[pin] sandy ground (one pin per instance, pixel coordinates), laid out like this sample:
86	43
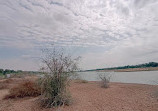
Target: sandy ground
133	69
91	97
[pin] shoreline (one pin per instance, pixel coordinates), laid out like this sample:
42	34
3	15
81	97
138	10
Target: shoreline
131	69
126	83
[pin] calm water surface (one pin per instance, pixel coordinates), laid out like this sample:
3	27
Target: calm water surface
142	77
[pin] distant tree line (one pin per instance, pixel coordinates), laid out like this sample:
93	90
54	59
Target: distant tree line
8	71
150	64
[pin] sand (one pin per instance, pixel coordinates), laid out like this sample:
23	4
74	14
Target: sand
91	97
133	69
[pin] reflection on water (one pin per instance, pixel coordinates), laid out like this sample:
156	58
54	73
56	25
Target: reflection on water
142	77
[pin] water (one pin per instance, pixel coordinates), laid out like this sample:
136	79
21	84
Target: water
142	77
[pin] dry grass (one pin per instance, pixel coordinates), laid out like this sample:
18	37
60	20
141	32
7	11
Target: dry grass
3	86
84	81
8	81
1	77
24	89
19	75
81	81
5	83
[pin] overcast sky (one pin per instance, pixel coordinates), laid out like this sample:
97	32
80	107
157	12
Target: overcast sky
105	33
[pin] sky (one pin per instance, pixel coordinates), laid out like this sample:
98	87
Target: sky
105	33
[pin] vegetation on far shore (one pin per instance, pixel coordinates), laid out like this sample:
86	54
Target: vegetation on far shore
142	67
145	65
3	72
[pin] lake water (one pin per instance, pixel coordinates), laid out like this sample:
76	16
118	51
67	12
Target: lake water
142	77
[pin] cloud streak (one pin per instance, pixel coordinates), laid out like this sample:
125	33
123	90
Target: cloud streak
121	24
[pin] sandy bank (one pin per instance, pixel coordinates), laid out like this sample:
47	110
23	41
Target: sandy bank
133	69
91	97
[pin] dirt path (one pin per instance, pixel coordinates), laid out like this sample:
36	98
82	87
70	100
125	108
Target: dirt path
91	97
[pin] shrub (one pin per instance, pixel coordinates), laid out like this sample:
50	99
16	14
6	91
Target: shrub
104	80
24	89
54	92
58	69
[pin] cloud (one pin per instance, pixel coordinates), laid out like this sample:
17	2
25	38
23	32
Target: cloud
16	64
122	24
128	52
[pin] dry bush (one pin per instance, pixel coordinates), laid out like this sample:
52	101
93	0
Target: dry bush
11	81
84	81
79	80
3	85
104	80
8	81
59	67
21	75
54	91
1	77
24	89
